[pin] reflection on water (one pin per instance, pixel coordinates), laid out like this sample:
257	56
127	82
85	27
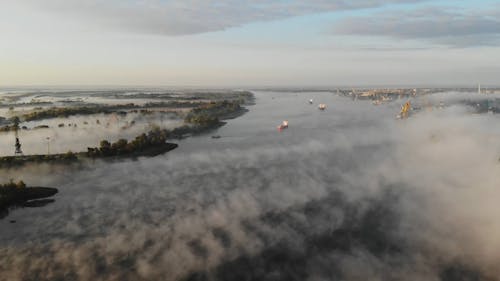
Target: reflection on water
29	204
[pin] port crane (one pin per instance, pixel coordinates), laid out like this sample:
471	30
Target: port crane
405	110
17	145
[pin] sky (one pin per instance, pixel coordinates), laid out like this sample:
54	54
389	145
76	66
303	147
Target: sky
240	43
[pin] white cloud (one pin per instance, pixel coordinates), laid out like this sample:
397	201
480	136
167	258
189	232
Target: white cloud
193	16
438	25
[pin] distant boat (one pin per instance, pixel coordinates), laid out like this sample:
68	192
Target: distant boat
216	137
311	101
322	106
283	125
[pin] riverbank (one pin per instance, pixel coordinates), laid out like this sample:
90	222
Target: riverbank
18	194
205	117
70	158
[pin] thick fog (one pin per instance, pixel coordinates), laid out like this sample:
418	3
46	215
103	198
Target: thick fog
350	193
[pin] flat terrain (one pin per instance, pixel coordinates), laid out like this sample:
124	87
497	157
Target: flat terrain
348	193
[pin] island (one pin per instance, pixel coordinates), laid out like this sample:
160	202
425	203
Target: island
196	113
147	144
18	194
203	118
151	144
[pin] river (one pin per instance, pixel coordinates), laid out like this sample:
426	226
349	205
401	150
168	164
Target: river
334	196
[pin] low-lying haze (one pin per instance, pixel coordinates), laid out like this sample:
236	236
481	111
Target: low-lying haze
349	193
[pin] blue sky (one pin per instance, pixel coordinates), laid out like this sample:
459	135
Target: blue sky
236	43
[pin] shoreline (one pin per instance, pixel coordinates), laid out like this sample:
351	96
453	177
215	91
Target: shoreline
188	130
13	196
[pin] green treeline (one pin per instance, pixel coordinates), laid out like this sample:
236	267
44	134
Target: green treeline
10	161
200	119
154	138
12	193
210	113
202	112
15	126
55	112
10	185
9	192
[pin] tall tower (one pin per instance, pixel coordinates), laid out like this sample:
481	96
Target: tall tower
479	88
17	145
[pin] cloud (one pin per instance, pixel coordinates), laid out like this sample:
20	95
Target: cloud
194	16
438	25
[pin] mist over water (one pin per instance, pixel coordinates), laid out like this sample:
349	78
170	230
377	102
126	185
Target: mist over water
76	133
348	193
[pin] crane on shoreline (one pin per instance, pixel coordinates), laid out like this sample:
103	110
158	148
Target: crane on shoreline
17	145
405	110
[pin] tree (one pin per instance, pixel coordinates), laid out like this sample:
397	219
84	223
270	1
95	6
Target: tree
16	122
20	184
105	147
120	146
69	155
105	144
